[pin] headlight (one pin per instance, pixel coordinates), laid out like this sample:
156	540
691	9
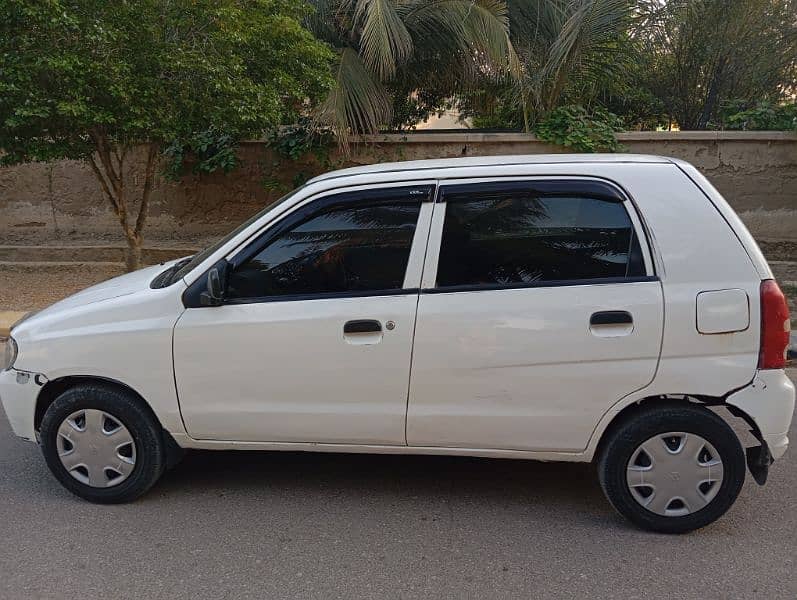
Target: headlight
9	353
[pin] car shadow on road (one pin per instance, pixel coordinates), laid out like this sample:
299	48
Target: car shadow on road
566	488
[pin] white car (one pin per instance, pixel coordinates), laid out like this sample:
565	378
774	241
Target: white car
606	308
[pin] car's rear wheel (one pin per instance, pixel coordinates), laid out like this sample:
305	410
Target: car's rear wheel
102	443
672	469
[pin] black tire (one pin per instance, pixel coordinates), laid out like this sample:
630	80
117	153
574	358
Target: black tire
129	410
687	418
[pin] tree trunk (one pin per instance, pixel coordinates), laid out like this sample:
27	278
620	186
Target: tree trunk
526	125
711	96
112	180
133	253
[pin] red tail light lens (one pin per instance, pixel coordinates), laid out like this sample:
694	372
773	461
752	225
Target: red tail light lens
775	326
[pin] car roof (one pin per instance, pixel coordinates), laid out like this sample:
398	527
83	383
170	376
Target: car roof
486	161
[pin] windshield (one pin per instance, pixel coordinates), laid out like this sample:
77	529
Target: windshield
184	267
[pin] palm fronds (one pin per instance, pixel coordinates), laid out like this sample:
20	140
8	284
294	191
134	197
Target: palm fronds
455	41
358	102
385	42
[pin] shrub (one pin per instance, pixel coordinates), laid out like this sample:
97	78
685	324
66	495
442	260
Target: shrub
581	129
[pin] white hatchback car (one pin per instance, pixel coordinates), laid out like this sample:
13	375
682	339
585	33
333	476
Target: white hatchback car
565	308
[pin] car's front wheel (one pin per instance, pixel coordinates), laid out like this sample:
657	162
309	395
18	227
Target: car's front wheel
672	469
102	443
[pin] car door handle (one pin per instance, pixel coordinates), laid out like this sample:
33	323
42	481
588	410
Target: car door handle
611	317
362	326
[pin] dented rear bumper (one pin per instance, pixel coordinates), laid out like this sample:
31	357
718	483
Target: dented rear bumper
769	402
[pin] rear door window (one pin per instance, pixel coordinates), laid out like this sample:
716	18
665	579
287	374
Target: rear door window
520	234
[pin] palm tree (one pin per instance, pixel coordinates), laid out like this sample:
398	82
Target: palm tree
570	52
574	46
439	43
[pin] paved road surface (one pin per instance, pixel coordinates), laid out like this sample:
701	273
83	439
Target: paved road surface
259	525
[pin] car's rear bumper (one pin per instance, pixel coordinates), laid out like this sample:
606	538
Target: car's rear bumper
18	392
769	401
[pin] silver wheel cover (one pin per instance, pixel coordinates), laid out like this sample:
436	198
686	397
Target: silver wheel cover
96	448
674	474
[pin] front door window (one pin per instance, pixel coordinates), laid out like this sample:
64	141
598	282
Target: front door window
352	243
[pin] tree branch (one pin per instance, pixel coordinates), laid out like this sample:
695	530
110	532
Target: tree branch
149	176
117	198
104	152
120	159
104	184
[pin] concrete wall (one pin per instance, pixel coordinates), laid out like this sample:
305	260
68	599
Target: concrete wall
61	202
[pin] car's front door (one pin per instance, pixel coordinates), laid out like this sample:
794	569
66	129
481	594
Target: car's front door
313	340
540	311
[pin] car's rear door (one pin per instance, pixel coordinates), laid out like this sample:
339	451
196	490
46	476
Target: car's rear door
539	309
313	341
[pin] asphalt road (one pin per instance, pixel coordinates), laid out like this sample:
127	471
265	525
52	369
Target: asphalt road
263	525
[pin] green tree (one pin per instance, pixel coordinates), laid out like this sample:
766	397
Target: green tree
701	54
763	116
114	83
390	47
571	52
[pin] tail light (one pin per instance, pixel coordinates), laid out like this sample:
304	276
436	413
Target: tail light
775	326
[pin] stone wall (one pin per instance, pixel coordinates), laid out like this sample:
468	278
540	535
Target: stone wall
62	203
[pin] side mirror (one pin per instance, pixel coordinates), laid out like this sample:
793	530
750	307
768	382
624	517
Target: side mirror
214	295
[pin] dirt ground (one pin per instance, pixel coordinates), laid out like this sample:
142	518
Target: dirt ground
27	288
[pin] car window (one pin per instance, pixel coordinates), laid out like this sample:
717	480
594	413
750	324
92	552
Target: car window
183	268
526	236
347	243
